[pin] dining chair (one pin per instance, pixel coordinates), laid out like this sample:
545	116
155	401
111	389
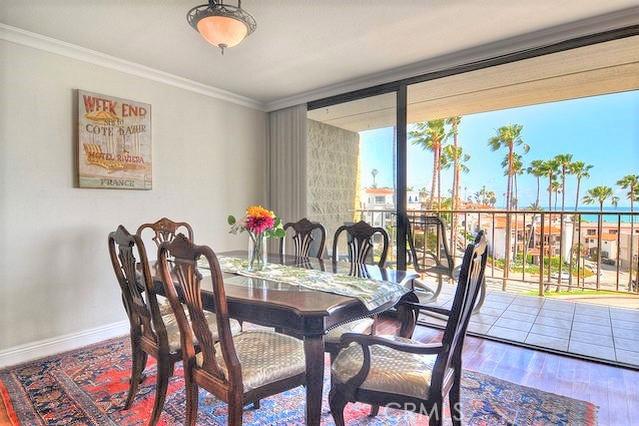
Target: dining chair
305	242
237	369
360	237
151	332
163	230
360	247
405	374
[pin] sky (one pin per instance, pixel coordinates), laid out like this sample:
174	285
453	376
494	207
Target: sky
599	130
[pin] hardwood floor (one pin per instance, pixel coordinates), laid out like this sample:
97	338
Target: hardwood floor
614	390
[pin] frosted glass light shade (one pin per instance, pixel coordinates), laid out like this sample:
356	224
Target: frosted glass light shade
222	31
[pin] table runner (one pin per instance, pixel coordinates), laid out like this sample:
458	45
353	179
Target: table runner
372	293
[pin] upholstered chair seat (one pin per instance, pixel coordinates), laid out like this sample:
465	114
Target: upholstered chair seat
164	305
173	330
266	357
391	370
362	326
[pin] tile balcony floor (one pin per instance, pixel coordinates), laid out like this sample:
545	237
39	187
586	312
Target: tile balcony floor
600	332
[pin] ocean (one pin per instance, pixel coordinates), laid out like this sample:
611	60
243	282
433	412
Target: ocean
625	218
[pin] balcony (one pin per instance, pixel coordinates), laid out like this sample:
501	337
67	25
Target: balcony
574	293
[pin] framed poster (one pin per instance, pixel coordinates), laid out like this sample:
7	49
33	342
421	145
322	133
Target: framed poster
114	142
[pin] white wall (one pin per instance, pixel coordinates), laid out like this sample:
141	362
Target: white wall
55	274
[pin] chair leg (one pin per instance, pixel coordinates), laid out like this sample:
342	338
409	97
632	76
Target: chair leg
191	399
374	410
235	413
337	402
454	398
162	382
138	357
436	415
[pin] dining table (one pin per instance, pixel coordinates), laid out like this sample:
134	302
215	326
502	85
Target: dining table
297	309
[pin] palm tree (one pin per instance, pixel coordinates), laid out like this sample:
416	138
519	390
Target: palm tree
455	154
580	170
374	172
430	136
599	194
550	168
564	161
631	184
536	169
517	169
509	137
556	188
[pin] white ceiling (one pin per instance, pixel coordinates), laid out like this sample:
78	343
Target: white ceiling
299	45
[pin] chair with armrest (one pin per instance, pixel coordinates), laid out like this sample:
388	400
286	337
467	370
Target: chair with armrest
440	268
381	370
237	369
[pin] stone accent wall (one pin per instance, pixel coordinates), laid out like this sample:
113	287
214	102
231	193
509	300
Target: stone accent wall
333	174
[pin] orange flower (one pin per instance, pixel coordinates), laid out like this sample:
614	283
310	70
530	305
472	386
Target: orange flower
259	212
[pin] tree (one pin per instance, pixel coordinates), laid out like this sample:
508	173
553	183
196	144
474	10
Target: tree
374	172
580	170
456	155
599	195
564	162
550	168
631	184
536	169
556	188
485	197
517	169
509	137
430	136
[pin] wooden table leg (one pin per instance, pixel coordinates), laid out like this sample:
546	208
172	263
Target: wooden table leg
407	315
314	352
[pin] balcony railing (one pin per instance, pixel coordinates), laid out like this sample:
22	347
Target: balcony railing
554	250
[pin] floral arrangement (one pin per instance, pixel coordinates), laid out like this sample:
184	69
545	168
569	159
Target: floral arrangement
258	221
260	224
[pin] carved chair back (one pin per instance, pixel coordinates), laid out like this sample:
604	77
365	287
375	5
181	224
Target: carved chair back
304	238
426	222
470	280
144	314
182	281
360	244
165	230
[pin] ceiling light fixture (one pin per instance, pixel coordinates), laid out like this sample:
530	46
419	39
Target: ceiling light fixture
222	25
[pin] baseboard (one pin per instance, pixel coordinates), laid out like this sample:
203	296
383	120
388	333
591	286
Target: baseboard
43	348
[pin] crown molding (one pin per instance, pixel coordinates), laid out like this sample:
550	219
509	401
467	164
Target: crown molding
548	36
52	45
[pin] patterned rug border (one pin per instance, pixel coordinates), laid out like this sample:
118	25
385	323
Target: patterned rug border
15	415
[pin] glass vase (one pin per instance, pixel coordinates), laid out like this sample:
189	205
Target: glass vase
257	252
